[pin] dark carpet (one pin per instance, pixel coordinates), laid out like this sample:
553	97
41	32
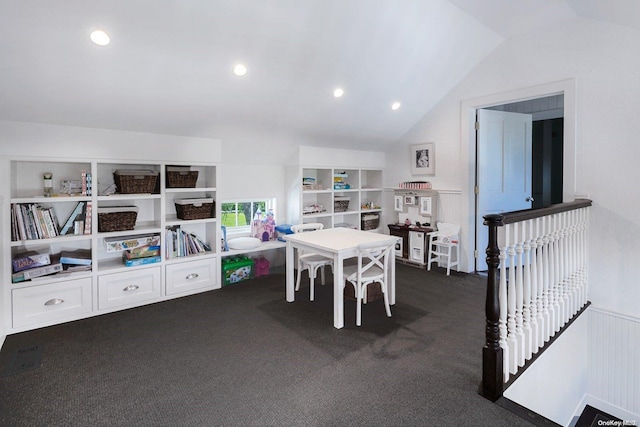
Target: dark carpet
243	356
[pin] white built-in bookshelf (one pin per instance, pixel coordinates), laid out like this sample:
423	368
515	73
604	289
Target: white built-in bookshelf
109	285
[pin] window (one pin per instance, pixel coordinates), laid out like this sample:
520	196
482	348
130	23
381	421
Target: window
237	215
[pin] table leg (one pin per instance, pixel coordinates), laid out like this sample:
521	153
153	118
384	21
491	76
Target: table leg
290	279
338	292
391	281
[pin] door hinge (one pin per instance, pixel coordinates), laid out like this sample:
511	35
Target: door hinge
476	189
475	253
477	125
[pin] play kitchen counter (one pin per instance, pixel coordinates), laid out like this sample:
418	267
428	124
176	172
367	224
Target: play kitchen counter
412	249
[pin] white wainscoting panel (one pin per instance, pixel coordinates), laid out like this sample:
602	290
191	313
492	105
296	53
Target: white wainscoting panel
614	359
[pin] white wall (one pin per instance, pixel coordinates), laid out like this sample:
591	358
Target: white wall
566	362
604	62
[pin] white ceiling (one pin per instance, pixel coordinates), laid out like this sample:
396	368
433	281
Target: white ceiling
168	67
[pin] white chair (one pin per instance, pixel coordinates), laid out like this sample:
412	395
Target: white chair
372	267
441	242
312	262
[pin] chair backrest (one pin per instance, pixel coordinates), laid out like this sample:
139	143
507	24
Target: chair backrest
448	233
447	229
312	226
373	258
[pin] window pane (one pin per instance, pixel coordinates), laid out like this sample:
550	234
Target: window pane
229	215
244	213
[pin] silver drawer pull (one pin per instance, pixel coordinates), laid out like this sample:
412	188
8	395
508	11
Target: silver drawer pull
192	276
54	301
131	288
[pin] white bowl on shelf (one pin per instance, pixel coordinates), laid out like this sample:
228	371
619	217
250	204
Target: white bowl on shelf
243	243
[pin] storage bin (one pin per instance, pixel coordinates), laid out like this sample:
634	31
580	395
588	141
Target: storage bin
117	218
340	204
181	177
282	230
135	181
370	221
236	269
195	208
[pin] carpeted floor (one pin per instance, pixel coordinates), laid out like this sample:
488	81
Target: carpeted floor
243	356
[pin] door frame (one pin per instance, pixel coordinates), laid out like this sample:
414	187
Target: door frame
468	151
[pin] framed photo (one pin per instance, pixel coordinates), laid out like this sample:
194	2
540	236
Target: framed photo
423	159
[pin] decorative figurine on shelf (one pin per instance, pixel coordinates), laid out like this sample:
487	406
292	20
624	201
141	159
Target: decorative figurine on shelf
48	184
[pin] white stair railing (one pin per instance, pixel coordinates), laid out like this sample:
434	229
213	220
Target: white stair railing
537	283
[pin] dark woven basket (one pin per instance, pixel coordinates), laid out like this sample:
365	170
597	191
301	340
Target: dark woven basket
135	184
117	221
340	205
374	292
186	179
370	224
191	211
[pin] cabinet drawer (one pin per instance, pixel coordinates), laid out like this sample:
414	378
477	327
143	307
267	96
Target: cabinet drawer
191	275
49	303
128	288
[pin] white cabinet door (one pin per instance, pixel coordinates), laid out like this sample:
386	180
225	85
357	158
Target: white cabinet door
50	303
129	288
191	275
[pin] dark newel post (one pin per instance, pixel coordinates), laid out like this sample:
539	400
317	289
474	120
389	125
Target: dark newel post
492	368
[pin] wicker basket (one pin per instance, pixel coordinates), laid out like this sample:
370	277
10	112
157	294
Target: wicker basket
195	208
370	221
340	204
179	179
135	181
117	219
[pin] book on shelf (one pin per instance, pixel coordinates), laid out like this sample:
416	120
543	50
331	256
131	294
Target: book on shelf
30	221
54	267
179	243
76	257
88	218
141	261
29	259
76	215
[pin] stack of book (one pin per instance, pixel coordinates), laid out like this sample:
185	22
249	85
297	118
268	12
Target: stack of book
180	243
31	264
78	260
339	182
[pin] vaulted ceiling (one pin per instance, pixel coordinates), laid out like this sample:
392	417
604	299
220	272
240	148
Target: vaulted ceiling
168	68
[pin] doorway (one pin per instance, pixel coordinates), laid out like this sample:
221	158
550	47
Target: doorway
544	168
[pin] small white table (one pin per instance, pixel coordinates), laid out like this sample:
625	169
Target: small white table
339	244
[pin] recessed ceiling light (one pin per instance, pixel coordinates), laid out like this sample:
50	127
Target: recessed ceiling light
239	70
338	92
100	38
395	106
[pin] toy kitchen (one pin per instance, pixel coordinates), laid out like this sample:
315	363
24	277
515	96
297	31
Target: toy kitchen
416	212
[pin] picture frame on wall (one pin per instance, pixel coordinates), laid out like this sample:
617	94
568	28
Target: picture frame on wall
423	159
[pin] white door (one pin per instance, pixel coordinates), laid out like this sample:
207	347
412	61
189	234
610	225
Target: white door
503	170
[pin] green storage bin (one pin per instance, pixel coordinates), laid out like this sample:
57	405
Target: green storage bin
236	269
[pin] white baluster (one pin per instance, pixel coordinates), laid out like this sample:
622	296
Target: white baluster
548	296
535	301
517	266
512	339
526	306
503	309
